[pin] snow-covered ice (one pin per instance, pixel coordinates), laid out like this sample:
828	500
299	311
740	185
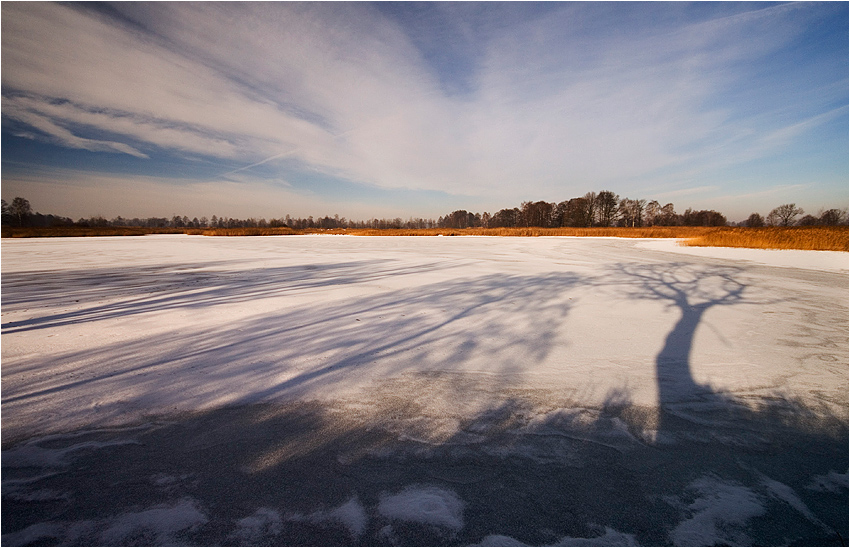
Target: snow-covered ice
160	525
609	538
830	482
425	504
464	390
351	515
718	514
264	523
828	261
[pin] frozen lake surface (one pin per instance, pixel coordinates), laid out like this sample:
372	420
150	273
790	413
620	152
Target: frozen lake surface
422	390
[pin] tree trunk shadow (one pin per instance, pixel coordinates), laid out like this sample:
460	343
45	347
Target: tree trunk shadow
761	451
692	292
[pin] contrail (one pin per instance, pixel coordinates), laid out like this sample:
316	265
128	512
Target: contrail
261	162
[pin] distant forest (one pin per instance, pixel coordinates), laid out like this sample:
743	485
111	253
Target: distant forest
594	209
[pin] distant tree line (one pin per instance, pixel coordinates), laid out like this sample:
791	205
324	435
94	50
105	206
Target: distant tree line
605	209
19	213
786	215
602	209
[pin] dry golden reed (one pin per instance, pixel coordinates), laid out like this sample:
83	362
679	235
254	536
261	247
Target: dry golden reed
276	231
809	238
79	231
812	238
650	232
821	238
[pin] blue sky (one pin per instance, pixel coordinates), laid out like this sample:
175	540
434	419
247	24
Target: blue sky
417	109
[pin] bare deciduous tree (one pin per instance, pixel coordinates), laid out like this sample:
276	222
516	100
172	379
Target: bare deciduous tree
20	210
607	207
784	215
668	215
631	212
653	210
754	220
833	217
590	204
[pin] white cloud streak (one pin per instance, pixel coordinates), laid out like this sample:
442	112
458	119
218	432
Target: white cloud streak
38	119
78	193
261	162
553	108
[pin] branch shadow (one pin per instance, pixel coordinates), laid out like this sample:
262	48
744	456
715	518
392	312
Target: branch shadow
760	451
193	287
399	470
692	292
420	446
308	351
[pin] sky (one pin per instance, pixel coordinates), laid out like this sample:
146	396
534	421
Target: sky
417	109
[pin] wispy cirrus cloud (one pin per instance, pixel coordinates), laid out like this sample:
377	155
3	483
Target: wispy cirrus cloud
71	191
499	101
51	128
46	115
112	79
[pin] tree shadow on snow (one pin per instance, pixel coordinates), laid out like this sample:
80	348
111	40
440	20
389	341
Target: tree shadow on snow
747	467
193	287
306	350
428	451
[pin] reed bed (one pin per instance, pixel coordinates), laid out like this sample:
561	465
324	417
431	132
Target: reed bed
78	231
276	231
648	232
808	238
821	238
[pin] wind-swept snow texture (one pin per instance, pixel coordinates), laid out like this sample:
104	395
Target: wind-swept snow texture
314	390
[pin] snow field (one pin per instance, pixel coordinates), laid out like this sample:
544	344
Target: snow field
219	322
465	390
165	524
429	505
